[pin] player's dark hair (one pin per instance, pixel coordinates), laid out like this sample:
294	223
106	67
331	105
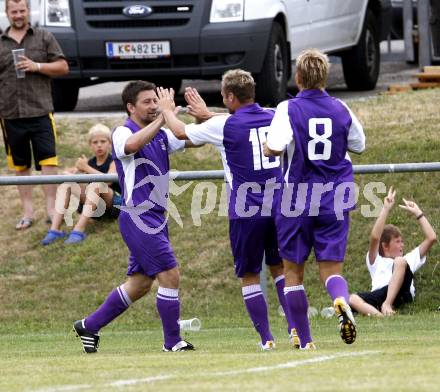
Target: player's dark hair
132	90
240	83
389	232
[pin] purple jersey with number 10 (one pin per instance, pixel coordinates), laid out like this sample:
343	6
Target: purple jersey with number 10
253	181
252	178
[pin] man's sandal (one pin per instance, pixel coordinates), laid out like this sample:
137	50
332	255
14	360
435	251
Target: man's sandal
24	223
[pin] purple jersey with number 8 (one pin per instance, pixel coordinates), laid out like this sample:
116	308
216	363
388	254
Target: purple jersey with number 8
316	131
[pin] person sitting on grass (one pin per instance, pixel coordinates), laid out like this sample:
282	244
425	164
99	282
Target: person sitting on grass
100	143
391	271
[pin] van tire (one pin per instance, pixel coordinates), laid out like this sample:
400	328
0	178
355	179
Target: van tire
361	64
271	82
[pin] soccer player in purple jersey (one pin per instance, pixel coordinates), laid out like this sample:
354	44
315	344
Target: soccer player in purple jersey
141	148
313	132
253	183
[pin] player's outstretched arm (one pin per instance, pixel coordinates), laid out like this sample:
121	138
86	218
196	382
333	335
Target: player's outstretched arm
167	108
428	231
197	106
377	230
139	139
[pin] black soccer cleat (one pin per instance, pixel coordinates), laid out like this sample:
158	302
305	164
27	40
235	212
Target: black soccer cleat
183	345
347	325
90	341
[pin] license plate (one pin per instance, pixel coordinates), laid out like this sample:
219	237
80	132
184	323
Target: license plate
138	50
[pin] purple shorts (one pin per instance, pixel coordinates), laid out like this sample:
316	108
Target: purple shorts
150	254
325	234
250	240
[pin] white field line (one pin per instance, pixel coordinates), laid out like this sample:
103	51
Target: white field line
148	380
66	388
293	364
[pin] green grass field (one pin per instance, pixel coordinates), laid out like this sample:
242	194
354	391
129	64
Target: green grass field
43	290
399	354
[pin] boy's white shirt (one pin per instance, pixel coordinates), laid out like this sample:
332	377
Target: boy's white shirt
382	269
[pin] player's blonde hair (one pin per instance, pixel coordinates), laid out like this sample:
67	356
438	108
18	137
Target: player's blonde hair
99	130
312	68
240	83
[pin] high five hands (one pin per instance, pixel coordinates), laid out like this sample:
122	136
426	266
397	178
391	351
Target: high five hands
165	99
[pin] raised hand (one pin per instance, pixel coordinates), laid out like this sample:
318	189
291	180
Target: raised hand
411	207
196	105
389	200
165	99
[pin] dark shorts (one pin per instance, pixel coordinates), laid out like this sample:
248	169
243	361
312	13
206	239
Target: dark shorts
114	211
325	234
110	212
22	134
251	239
377	297
150	254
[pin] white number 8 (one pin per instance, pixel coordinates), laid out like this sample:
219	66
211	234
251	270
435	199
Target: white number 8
324	139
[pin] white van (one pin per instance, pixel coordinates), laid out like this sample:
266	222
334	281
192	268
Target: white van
166	41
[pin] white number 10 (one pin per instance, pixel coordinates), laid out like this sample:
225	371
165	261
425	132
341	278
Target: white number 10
324	139
257	137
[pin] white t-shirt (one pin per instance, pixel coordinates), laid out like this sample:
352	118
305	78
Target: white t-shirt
382	269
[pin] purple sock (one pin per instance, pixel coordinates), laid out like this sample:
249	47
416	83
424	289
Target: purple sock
257	309
337	286
296	299
279	284
116	303
168	306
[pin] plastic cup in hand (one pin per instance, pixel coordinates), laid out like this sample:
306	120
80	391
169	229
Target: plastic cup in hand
193	324
16	54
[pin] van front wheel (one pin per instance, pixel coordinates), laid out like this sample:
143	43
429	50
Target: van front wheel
271	82
361	64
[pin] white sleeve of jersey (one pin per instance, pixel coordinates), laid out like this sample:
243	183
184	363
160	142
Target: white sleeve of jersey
120	136
174	144
356	135
414	260
280	131
210	131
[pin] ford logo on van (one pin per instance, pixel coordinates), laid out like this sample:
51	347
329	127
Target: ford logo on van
137	11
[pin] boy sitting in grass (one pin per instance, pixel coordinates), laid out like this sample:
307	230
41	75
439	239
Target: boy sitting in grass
100	143
391	271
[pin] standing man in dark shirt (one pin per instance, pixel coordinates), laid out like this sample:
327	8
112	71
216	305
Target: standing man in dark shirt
26	103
